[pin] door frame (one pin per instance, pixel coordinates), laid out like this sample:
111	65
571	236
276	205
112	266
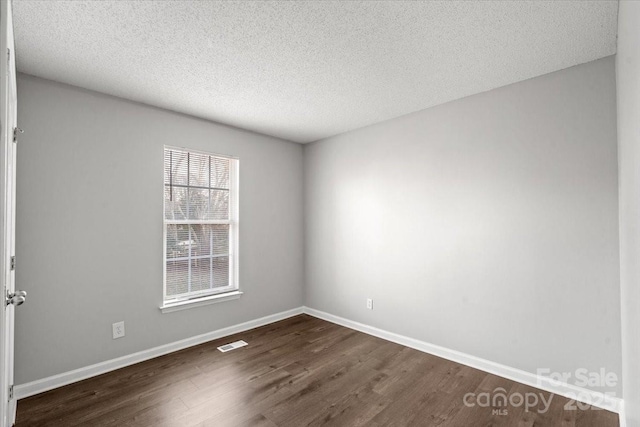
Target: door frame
8	117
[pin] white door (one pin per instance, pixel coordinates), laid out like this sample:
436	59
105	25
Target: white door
8	122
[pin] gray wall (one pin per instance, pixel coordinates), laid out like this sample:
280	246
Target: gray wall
488	225
628	85
90	226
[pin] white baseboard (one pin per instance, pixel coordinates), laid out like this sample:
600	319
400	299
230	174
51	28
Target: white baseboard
580	394
622	416
29	389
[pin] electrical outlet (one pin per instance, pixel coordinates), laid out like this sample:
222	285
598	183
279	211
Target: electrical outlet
118	330
369	303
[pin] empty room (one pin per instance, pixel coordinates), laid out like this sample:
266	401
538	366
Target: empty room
305	213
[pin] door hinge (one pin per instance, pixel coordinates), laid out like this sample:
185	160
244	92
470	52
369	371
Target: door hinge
16	131
10	392
13	263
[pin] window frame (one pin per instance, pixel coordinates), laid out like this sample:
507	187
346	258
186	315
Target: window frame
232	291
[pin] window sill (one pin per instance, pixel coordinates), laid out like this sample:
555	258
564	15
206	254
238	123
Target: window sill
183	305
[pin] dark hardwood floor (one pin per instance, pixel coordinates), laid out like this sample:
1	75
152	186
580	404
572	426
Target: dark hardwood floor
297	372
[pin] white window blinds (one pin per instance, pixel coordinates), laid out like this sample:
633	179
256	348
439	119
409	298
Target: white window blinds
200	224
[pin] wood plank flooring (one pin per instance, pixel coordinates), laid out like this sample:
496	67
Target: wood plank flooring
297	372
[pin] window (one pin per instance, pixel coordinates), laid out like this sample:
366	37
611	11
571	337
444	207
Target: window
200	226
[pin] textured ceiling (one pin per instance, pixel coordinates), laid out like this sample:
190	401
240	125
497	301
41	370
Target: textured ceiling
305	70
